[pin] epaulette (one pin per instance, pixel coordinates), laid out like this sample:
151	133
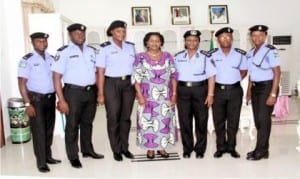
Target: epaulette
243	52
131	43
213	50
28	55
270	46
92	47
179	52
62	48
105	44
207	54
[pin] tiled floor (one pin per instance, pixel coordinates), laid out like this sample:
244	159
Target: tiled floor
17	159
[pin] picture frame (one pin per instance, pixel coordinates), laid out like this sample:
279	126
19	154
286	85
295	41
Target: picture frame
180	15
141	15
218	14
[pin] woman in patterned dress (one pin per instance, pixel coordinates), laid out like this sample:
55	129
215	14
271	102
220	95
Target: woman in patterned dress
155	79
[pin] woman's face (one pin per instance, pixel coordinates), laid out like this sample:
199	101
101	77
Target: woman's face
258	38
154	43
118	33
191	42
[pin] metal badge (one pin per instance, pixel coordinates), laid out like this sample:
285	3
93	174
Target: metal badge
88	88
222	87
189	84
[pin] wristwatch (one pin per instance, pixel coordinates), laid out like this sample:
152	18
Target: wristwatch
273	95
27	104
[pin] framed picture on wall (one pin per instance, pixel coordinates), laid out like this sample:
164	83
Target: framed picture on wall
218	14
180	15
141	15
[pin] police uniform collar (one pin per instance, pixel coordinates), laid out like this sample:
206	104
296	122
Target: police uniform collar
114	44
71	44
35	53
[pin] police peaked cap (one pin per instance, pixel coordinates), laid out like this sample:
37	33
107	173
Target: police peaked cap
76	26
224	30
115	24
39	35
192	33
261	28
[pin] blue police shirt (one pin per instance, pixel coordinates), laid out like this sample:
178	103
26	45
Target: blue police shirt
37	71
76	66
197	68
116	61
228	67
260	65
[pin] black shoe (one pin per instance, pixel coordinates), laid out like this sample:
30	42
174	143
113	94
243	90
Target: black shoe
163	154
258	156
218	154
44	169
118	157
150	154
93	155
199	155
186	155
250	153
234	154
128	154
76	163
51	160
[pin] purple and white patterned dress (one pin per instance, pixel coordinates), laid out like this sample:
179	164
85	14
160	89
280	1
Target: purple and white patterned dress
156	121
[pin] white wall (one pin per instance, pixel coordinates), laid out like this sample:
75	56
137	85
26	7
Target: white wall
12	50
279	15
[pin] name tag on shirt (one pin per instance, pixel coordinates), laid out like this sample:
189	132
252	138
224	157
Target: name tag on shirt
73	56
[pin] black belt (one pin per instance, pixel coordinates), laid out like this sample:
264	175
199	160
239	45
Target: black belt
40	95
227	87
192	84
262	83
85	88
126	77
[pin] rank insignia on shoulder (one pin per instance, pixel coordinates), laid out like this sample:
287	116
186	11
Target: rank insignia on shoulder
27	56
271	46
131	43
240	51
105	44
207	54
213	50
62	48
179	52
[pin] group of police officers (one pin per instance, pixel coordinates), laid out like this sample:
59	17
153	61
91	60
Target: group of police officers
91	76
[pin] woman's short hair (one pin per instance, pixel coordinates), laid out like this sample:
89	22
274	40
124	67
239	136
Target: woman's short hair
149	34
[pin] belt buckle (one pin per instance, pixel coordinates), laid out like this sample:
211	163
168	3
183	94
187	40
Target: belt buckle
222	87
253	84
49	96
123	78
189	84
88	88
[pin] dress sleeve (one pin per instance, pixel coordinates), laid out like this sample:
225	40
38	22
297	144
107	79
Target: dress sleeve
174	72
138	70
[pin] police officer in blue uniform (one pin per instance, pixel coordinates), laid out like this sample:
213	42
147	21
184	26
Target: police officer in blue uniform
231	67
195	93
115	66
264	71
75	64
37	90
